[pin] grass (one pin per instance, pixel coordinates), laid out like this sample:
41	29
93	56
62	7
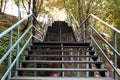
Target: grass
7	20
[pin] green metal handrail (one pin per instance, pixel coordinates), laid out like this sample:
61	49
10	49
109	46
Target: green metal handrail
75	25
114	47
12	46
90	29
43	28
9	52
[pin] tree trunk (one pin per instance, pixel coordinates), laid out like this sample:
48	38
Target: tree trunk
1	5
34	10
41	3
28	12
80	11
81	18
5	6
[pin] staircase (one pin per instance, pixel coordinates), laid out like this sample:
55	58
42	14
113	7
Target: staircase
61	57
60	31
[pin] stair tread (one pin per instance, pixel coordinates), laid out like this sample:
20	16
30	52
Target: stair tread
60	78
59	43
58	46
58	69
43	50
58	61
52	55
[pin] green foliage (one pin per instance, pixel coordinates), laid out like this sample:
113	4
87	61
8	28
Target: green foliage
7	21
72	7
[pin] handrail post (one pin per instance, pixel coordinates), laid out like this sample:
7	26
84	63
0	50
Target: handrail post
30	18
115	55
84	34
10	55
87	65
91	24
31	22
63	66
18	35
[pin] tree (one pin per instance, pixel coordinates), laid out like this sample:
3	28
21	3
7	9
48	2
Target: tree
28	12
2	5
36	10
36	7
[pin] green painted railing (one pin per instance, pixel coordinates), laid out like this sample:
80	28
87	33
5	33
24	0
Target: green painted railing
89	31
16	45
112	47
75	25
97	39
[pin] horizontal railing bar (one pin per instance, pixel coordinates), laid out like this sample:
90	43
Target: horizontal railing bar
113	28
106	57
13	63
14	26
8	52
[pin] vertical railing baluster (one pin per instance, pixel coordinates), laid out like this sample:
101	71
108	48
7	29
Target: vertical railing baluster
31	23
63	74
87	64
115	55
78	64
71	55
18	35
91	33
84	34
10	55
35	66
30	20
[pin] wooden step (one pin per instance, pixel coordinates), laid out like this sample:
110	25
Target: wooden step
60	69
60	78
